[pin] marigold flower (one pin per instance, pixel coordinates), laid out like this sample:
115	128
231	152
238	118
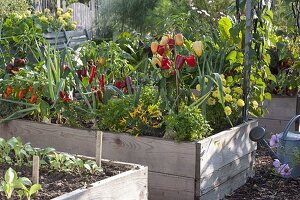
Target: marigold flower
227	110
228	98
216	94
227	90
238	90
254	104
211	101
240	103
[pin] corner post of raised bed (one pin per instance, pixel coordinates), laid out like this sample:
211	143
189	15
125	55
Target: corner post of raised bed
247	63
35	169
297	111
99	135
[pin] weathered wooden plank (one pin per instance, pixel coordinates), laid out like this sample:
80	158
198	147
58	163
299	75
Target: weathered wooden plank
224	174
178	158
229	186
77	141
169	187
130	185
225	147
159	155
54	35
57	41
80	33
82	15
283	108
273	126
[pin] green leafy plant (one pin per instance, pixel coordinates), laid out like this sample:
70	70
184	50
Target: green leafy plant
12	182
28	192
188	124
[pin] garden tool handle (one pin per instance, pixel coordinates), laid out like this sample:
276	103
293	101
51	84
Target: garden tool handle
286	130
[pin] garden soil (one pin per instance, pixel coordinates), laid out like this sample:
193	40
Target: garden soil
58	183
266	184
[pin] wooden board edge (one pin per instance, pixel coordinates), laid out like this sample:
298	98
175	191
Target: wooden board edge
228	187
98	184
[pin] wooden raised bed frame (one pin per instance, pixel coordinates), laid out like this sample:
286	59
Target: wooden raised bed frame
208	169
131	184
279	112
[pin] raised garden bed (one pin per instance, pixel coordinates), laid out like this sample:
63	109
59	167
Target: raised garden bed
279	112
207	169
115	176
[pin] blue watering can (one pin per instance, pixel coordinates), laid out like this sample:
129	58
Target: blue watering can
288	148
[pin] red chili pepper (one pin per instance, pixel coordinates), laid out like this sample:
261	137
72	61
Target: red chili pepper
33	98
93	74
191	61
179	61
21	94
9	90
118	85
67	99
102	81
61	94
165	64
9	67
30	88
161	49
171	43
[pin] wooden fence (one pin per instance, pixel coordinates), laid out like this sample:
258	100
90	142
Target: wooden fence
83	14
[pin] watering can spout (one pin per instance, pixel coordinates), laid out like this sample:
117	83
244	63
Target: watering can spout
257	134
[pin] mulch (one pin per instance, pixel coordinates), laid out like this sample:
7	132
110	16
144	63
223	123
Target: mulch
266	184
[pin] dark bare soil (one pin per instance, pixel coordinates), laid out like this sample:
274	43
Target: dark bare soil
266	184
57	183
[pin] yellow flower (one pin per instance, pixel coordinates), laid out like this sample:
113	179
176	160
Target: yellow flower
47	11
58	13
238	90
73	26
61	20
227	90
211	101
60	9
123	121
228	98
240	103
227	110
223	81
255	104
43	18
216	94
198	87
206	80
70	10
67	16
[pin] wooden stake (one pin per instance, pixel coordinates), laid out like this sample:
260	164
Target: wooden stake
35	169
99	148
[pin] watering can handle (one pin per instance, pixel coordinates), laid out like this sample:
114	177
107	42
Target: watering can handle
286	130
